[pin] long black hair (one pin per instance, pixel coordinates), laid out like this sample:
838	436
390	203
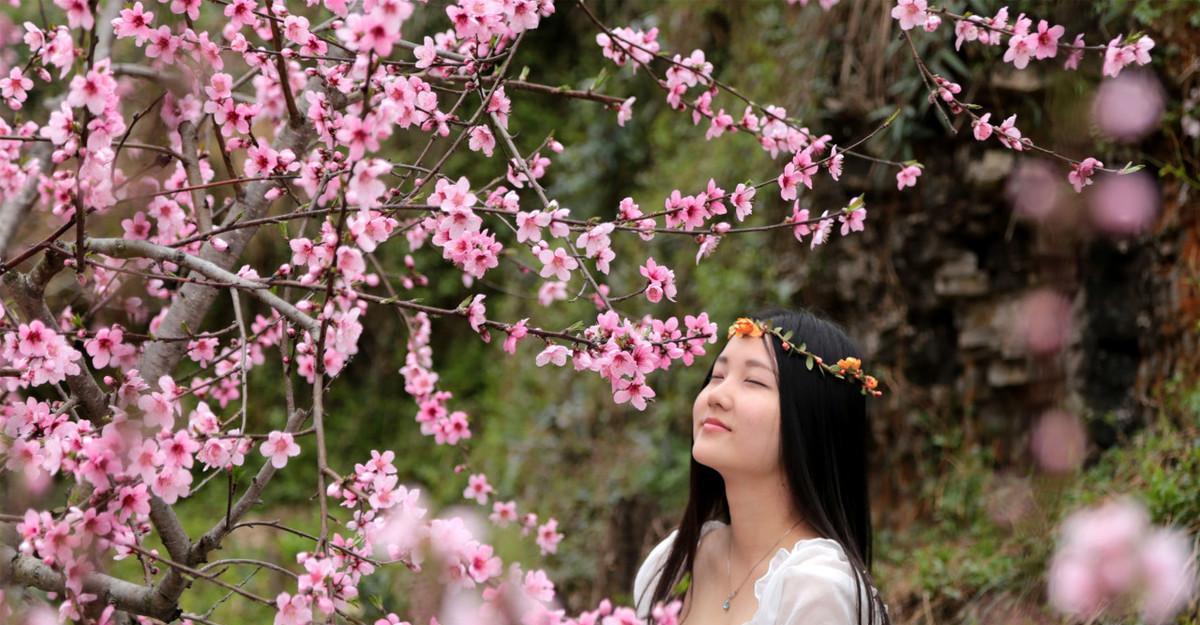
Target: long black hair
823	446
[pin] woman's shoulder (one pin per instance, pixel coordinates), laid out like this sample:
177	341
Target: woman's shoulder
651	569
815	576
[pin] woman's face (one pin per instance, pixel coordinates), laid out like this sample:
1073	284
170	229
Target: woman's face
743	394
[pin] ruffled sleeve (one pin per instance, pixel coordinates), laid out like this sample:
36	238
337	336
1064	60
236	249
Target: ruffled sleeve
811	585
648	575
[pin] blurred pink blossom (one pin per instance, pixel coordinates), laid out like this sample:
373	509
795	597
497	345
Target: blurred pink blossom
1058	441
1124	205
1035	189
1128	107
1045	321
1110	557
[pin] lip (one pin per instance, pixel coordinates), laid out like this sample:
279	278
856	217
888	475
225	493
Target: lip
714	425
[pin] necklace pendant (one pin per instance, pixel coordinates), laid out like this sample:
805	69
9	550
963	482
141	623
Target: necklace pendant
725	606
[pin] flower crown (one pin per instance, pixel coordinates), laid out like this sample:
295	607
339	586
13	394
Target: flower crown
849	368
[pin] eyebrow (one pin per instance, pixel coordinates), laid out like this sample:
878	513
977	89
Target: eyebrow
749	363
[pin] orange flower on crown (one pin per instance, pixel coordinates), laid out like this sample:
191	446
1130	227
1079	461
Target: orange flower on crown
848	368
744	326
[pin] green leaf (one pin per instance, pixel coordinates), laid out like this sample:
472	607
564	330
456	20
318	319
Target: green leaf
891	118
1129	168
524	73
683	584
808	362
466	302
600	78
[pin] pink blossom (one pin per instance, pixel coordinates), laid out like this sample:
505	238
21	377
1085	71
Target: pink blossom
787	182
278	447
452	429
359	135
556	354
159	409
966	30
261	160
477	314
130	501
1009	135
291	610
482	140
799	217
910	13
1169	571
1020	50
203	350
170	484
661	281
625	111
721	122
179	450
835	163
742	201
558	263
548	536
537	584
15	87
134	22
366	184
426	54
478	488
551	291
821	232
503	513
907	176
982	128
295	29
241	13
635	391
59	128
453	196
1081	173
1046	40
500	106
107	347
517	332
163	44
96	90
1110	554
1076	55
853	216
79	15
1117	55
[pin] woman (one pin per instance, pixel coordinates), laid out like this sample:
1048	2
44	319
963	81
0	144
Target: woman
778	489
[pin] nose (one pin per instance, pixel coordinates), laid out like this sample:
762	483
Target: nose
718	395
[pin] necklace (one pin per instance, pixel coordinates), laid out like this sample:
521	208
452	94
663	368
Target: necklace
729	565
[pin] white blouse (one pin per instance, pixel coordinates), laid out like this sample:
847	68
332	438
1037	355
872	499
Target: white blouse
813	583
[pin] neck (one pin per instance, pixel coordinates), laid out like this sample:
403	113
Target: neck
761	514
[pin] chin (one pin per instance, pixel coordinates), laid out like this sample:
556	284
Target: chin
707	454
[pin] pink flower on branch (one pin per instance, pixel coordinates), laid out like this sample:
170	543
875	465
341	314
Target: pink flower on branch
278	447
910	13
1081	173
478	488
907	176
